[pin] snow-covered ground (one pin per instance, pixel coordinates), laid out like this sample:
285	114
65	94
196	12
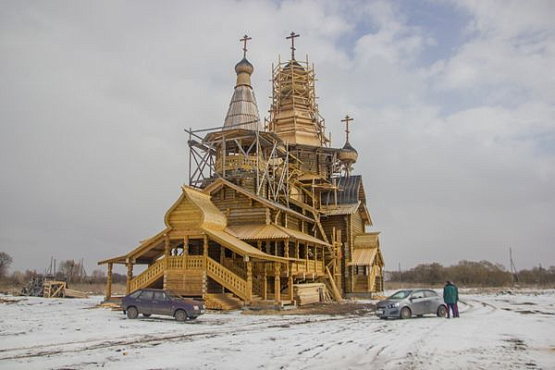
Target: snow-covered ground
495	331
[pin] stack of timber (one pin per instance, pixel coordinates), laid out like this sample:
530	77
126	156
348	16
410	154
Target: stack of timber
309	293
222	301
72	293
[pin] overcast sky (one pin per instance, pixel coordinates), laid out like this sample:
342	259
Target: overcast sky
453	105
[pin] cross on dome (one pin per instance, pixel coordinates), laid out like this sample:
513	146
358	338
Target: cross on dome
244	41
347	119
292	36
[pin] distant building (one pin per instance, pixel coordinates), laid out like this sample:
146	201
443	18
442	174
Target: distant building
268	207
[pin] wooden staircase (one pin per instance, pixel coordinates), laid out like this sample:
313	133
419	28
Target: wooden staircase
149	276
227	278
222	301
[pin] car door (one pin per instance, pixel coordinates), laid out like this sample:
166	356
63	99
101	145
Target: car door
432	301
161	304
144	302
418	302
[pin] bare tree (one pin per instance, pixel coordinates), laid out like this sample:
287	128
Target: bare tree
5	262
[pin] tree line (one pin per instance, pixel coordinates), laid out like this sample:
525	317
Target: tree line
70	271
470	273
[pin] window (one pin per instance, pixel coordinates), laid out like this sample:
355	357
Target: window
417	295
135	294
430	294
159	296
147	295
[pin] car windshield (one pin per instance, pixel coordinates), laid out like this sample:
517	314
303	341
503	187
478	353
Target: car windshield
402	294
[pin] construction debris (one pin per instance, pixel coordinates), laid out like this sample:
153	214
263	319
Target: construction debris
39	287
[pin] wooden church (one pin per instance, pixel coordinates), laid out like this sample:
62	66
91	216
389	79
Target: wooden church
269	210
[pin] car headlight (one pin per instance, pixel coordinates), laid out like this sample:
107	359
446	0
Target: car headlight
393	305
196	307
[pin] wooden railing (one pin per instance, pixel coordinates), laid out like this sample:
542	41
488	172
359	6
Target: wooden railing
149	275
239	161
226	278
312	266
194	262
235	268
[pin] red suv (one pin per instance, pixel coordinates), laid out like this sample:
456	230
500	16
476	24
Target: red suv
160	302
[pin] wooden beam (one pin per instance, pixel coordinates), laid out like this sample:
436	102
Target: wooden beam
109	281
277	282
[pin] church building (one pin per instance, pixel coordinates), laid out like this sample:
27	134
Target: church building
270	209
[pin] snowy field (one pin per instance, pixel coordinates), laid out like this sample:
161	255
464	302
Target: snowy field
495	331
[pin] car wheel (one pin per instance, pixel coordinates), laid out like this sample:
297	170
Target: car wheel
132	312
180	315
146	314
442	311
406	313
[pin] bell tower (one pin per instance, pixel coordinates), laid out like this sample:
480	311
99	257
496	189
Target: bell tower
294	115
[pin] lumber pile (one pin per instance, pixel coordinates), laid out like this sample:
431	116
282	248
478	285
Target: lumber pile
72	293
309	293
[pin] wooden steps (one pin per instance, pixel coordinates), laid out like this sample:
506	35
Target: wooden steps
222	301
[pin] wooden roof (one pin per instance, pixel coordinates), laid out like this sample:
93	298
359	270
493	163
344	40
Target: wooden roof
272	231
238	246
363	257
220	182
367	240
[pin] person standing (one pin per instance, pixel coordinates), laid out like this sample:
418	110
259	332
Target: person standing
451	297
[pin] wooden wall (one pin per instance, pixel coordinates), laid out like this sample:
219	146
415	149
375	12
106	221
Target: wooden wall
192	283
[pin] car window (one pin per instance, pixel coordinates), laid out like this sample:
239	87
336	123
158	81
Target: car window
146	295
402	294
135	294
160	296
430	294
418	294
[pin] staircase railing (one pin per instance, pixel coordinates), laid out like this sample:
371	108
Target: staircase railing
149	275
226	278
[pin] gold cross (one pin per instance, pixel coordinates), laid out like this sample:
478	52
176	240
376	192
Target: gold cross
244	41
292	37
347	119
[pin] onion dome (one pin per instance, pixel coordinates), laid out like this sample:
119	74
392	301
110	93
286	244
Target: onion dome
348	154
244	66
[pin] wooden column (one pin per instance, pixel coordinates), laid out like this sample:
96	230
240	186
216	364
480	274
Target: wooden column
249	279
286	248
276	248
277	282
129	276
264	283
185	251
306	256
290	282
367	269
109	282
205	246
166	245
268	246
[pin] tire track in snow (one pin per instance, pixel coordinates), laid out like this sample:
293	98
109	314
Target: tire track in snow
88	345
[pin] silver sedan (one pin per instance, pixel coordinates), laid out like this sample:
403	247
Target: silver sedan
412	302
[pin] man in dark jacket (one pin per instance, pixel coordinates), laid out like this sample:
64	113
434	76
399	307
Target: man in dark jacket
451	297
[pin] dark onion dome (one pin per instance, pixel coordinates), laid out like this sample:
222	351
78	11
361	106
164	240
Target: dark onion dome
293	64
348	153
244	66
